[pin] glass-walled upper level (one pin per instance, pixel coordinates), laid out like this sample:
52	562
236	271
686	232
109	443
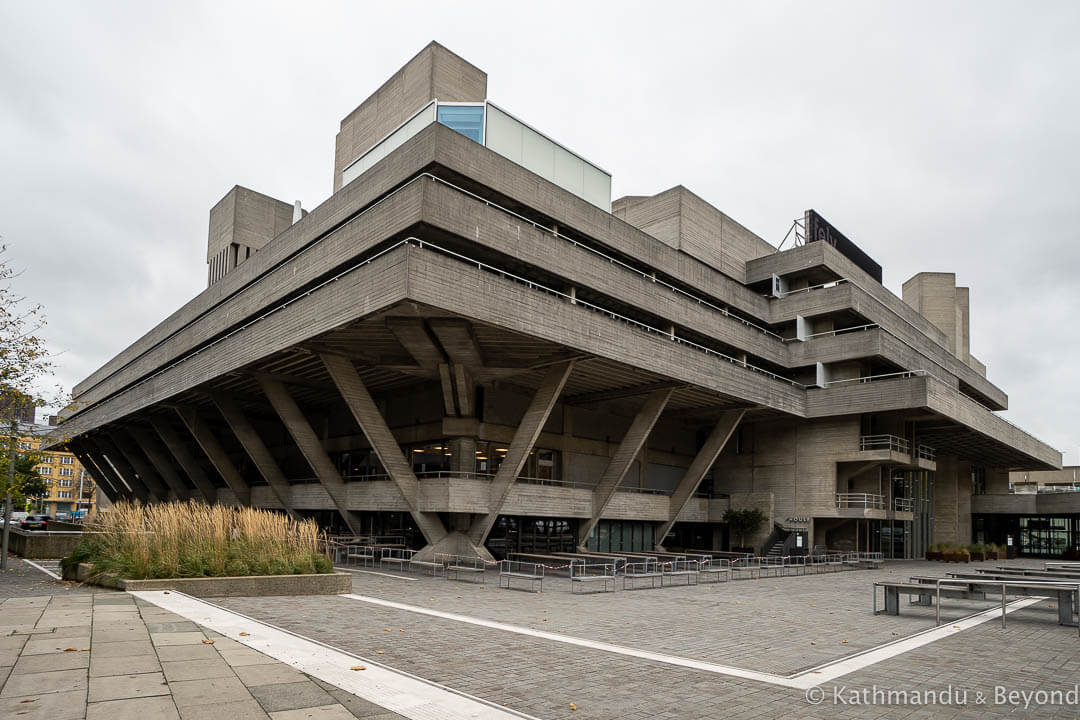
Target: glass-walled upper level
493	127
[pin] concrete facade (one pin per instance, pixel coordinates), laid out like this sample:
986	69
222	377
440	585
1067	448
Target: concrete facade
457	351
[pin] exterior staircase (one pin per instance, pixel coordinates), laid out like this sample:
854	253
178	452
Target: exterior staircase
777	549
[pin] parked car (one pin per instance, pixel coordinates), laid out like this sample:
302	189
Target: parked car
35	522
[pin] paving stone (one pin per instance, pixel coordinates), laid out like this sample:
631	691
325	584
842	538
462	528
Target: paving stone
209	691
129	648
119	687
174	653
51	662
237	710
323	712
267	674
143	708
171	627
177	638
132	665
51	706
290	696
196	669
54	644
245	656
44	682
119	634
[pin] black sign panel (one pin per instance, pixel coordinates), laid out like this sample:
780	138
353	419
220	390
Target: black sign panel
818	229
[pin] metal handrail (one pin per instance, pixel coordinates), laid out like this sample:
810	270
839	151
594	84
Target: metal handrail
462	474
904	504
889	442
822	286
841	331
925	452
883	376
869	501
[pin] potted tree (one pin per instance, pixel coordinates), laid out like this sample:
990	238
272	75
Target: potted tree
743	522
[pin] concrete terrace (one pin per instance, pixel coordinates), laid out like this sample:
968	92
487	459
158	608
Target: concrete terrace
742	649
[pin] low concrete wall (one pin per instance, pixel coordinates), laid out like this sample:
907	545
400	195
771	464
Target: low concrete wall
337	583
36	544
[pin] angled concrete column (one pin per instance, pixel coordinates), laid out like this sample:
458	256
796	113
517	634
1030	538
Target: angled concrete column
624	457
528	430
103	482
190	465
218	458
310	447
256	449
138	461
94	454
158	457
121	467
700	465
377	432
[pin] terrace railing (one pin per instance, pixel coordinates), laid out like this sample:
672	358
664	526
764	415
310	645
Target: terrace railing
866	501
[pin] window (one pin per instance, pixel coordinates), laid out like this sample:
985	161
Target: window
65	472
67	460
64	494
978	480
24	446
430	458
465	119
44	470
65	482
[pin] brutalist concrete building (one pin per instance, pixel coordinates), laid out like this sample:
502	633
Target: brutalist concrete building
472	345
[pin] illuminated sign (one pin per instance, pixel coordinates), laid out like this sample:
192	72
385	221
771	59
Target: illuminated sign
818	229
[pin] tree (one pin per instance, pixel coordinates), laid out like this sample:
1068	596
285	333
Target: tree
744	522
24	361
28	485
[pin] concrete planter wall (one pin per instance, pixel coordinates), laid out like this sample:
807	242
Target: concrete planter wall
38	544
249	586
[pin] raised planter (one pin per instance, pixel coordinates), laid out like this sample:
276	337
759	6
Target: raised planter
42	544
337	583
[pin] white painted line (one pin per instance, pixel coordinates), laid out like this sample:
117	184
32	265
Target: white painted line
44	570
801	680
372	572
397	691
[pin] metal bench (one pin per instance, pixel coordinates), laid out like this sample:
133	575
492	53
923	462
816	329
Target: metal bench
365	555
458	566
673	569
595	576
436	566
530	572
401	557
1064	592
715	568
642	569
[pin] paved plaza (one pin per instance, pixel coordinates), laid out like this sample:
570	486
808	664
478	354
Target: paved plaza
741	649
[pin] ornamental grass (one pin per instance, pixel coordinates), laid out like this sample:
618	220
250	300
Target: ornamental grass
192	539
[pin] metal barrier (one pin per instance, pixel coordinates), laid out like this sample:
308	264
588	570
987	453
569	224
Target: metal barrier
595	575
641	569
520	570
749	565
860	500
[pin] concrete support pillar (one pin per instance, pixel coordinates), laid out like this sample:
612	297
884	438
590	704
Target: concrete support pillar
624	457
371	422
311	448
700	465
103	482
217	455
463	457
159	459
93	452
142	467
536	416
123	468
256	449
188	463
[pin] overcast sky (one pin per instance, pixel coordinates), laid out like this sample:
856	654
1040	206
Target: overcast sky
939	136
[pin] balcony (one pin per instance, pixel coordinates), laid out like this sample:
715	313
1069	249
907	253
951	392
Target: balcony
906	505
860	501
885	442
